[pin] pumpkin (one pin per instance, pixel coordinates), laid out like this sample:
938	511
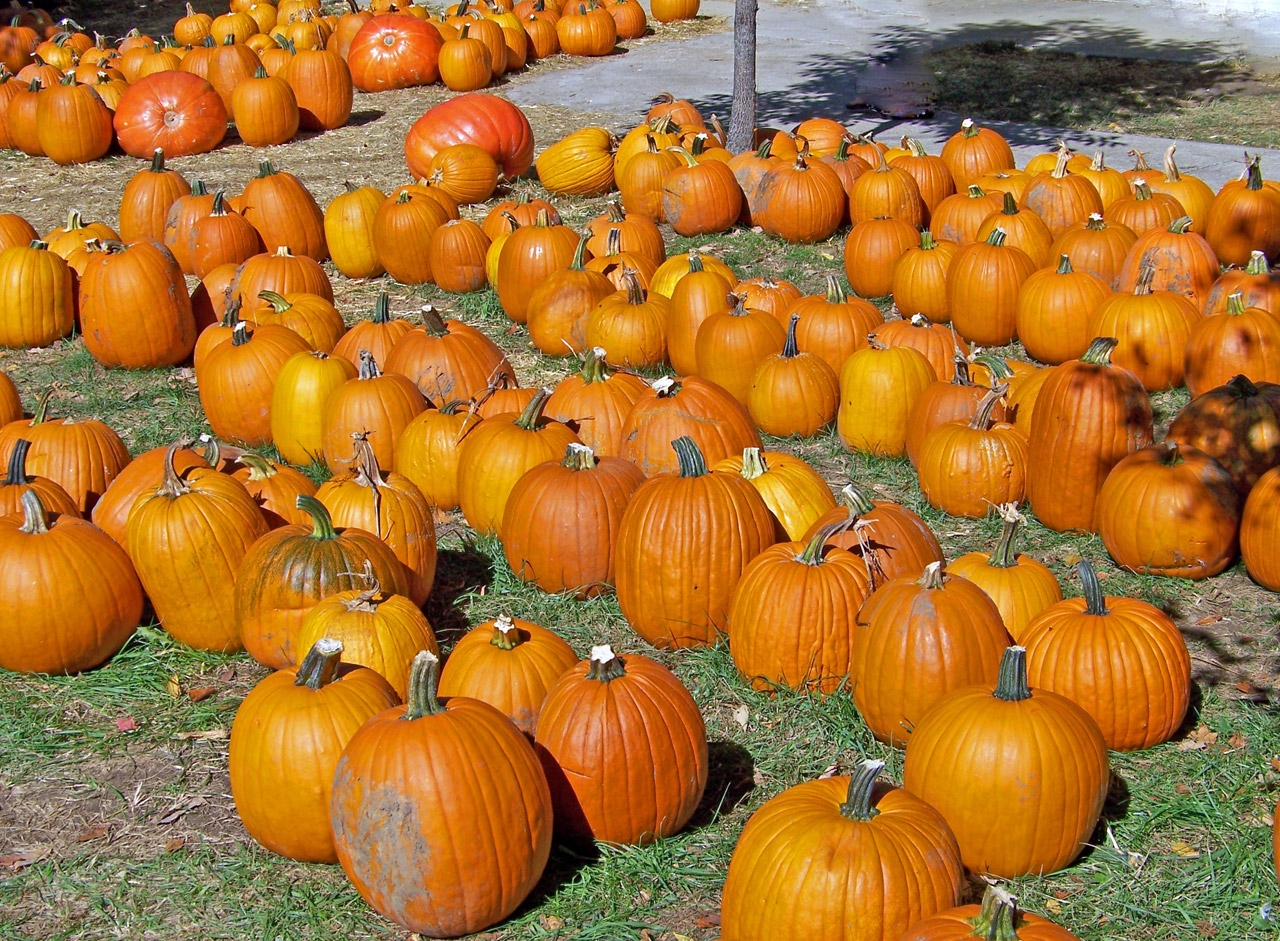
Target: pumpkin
1254	281
466	63
918	281
1030	759
1096	246
1152	327
595	403
143	474
37	303
670	11
1240	341
378	334
427	452
1259	528
17	481
374	405
1061	198
322	87
285	743
841	858
235	380
692	406
1122	660
458	251
73	125
427	870
630	325
1023	229
265	109
892	540
15	230
187	539
220	238
510	664
498	452
879	385
973	152
1192	192
700	198
184	213
940	345
176	112
1244	217
1238	425
1088	415
637	234
799	202
932	175
792	393
310	316
674	588
530	255
871	252
983	281
285	214
558	308
958	217
966	468
640	183
394	50
477	118
1181	261
1144	209
997	917
729	345
954	400
586	29
447	360
833	325
74	595
275	487
1169	510
793	491
580	164
1021	586
695	297
887	191
624	749
676	268
348	230
791	620
1053	311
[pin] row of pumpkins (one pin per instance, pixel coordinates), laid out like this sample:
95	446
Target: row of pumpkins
272	68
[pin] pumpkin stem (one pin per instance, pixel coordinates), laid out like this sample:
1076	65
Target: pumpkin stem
1064	264
157	161
1095	222
231	314
835	291
1004	556
961	376
368	366
433	323
424	679
1242	387
1180	225
812	554
666	387
35	519
1099	351
695	262
278	304
1235	304
1253	172
1011	686
579	457
981	420
692	463
926	241
615	212
997	919
265	169
1257	264
580	253
321	521
259	467
933	578
199	189
997	235
240	333
1139	160
367	473
1146	274
506	636
605	664
789	348
320	666
1171	174
172	485
1141	190
593	366
1010	207
857	503
532	413
753	464
1095	600
976	191
18	464
212	450
1060	166
968	128
42	407
862	786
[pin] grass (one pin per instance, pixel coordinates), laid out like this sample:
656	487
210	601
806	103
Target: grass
1221	102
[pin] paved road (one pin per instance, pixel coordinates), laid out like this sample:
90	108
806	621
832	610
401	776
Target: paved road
816	56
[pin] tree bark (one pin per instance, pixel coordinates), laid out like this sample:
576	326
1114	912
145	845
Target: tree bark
742	120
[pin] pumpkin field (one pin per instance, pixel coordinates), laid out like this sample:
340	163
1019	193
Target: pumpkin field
426	516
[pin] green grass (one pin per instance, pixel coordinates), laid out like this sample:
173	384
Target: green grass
68	767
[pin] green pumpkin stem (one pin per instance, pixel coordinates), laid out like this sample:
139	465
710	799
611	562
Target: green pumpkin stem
259	467
997	235
604	664
424	680
382	309
812	554
1235	304
579	457
1010	207
615	211
594	368
1141	190
855	501
1095	602
506	636
695	262
1064	264
976	191
835	291
157	161
321	521
320	666
231	313
1180	225
171	483
981	420
862	786
199	189
580	252
927	243
789	348
265	169
997	919
1095	222
753	464
1253	172
968	128
1011	684
1099	351
277	301
692	463
1004	556
1257	264
35	519
17	475
532	413
212	450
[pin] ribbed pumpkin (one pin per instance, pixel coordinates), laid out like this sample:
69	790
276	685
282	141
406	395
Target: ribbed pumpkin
674	587
17	481
529	257
447	360
285	743
624	748
222	237
427	452
424	868
74	596
1169	510
677	267
595	402
834	325
498	452
731	344
281	272
1245	217
966	468
458	250
932	175
145	202
1097	247
37	301
955	399
1053	311
878	388
840	858
1023	229
348	230
695	297
372	404
799	202
919	279
1110	183
265	109
1061	198
637	233
939	344
886	191
791	621
701	198
1240	341
561	521
872	251
402	231
321	83
975	151
983	281
510	664
919	639
236	377
1144	209
998	917
640	183
1088	415
580	164
630	325
1122	660
793	393
1152	328
692	406
957	218
794	492
1260	529
183	213
1030	759
285	213
275	487
1020	585
1254	281
187	539
1181	260
143	474
1238	425
1192	192
310	316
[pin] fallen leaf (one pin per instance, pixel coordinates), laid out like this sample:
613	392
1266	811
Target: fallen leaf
1246	687
1182	789
740	716
127	724
1207	928
1237	741
709	920
206	735
1072	558
174	843
1209	619
93	833
830	771
1198	738
1053	905
680	937
757	778
24	858
200	693
227	675
173	687
551	922
181	809
1183	849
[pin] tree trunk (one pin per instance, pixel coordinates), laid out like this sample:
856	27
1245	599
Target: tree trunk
742	120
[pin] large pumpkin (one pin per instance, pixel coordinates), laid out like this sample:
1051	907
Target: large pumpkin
176	112
1238	425
489	122
394	50
892	540
692	406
